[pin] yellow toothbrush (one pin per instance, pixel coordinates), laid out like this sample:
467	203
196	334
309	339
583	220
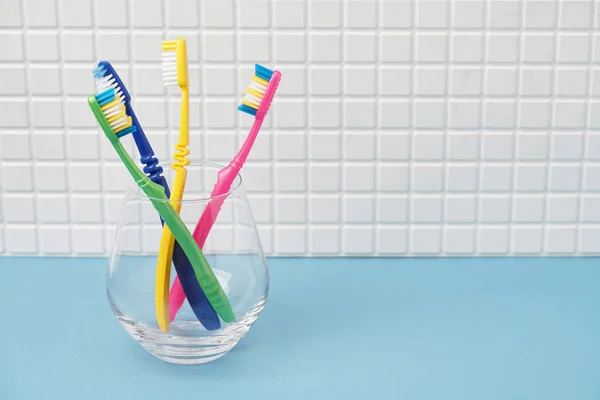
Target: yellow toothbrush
174	72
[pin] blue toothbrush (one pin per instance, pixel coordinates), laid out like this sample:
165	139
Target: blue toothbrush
106	78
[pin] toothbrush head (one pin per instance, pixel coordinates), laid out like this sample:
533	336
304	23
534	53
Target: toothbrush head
260	92
106	77
111	114
174	63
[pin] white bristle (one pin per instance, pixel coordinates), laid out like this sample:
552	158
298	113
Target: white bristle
252	99
169	68
108	82
258	87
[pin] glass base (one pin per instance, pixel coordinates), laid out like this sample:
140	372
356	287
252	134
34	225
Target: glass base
189	349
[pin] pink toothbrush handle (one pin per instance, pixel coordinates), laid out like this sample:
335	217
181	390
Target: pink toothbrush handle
225	178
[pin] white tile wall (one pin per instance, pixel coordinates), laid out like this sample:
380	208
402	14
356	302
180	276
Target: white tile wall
421	128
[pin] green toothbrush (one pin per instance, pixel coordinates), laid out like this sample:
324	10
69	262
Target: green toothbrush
113	119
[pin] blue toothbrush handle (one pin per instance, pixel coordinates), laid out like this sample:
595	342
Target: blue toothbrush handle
194	293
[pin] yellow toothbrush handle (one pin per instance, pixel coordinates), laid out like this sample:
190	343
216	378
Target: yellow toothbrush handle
165	255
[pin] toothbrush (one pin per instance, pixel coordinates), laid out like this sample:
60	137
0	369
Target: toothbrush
106	77
257	101
110	112
174	72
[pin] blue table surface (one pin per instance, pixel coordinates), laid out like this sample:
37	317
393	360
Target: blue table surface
427	329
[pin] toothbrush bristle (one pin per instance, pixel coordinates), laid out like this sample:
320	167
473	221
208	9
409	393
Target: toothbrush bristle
169	62
256	90
115	112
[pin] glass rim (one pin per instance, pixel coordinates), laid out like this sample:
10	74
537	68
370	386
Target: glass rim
134	189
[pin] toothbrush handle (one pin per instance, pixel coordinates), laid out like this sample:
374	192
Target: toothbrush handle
185	274
204	274
224	181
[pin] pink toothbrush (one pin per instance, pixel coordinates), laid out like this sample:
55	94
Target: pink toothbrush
257	101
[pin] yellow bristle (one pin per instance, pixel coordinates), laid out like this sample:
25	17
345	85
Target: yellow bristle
169	45
259	80
127	125
254	92
110	104
249	104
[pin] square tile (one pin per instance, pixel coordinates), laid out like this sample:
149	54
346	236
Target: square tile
13	82
392	208
467	47
289	14
394	113
393	178
78	46
20	239
425	239
432	14
532	146
254	47
11	46
111	13
42	46
527	239
325	178
391	240
40	13
219	46
217	13
55	239
530	177
291	47
461	177
324	208
254	14
11	14
183	13
427	177
76	13
325	13
459	239
560	239
460	208
468	14
426	208
538	47
495	177
361	47
324	240
528	208
497	146
397	47
494	208
19	208
361	14
359	208
361	114
396	14
147	13
358	240
290	209
540	14
492	239
359	80
502	47
431	47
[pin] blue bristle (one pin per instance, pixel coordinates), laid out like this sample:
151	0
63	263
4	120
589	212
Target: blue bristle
105	97
126	131
99	72
246	109
263	72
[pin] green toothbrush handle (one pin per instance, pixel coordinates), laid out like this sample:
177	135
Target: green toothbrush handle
205	275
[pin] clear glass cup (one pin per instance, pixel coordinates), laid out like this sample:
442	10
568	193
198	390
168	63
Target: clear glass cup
233	250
